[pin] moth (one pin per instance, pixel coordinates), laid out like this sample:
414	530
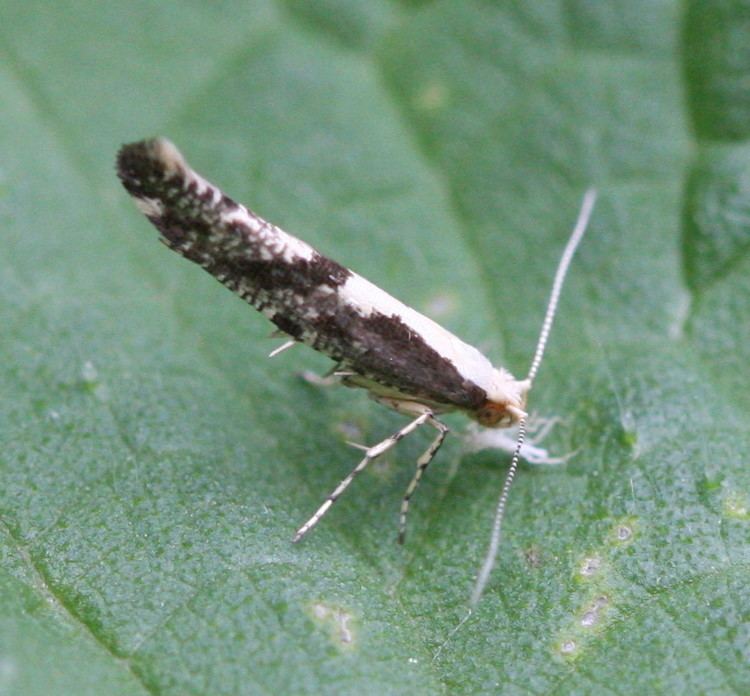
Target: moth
405	361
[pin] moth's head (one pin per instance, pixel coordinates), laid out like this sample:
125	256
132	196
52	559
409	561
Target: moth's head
506	402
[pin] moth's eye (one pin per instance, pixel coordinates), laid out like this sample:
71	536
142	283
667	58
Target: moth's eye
483	415
493	415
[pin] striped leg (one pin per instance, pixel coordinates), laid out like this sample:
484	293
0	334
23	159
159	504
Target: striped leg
422	463
372	453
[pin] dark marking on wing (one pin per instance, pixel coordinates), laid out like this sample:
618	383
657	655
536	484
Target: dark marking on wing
301	295
383	348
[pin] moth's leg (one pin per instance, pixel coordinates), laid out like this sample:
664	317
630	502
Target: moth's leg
372	453
533	454
288	342
284	346
422	463
537	427
331	378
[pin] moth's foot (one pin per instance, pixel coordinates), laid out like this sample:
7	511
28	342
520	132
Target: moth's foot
538	427
317	380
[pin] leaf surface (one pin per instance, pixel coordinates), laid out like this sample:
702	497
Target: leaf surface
155	464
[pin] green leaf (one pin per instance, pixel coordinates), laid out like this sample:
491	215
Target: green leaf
155	464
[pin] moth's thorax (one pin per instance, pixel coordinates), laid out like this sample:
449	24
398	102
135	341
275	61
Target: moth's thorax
506	401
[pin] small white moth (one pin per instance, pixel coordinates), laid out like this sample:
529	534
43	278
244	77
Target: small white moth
403	359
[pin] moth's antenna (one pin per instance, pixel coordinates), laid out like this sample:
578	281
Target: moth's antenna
584	215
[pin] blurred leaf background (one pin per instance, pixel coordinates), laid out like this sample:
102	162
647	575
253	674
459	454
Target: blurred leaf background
155	464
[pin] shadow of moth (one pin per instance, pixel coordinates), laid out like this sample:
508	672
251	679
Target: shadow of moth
405	361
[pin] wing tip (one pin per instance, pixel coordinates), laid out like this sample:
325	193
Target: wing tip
145	162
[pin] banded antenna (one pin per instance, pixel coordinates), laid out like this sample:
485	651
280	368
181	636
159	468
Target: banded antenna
490	558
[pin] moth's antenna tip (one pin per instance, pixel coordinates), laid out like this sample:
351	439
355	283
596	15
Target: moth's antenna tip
587	206
584	215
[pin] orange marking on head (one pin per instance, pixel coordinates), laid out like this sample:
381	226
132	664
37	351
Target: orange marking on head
495	414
